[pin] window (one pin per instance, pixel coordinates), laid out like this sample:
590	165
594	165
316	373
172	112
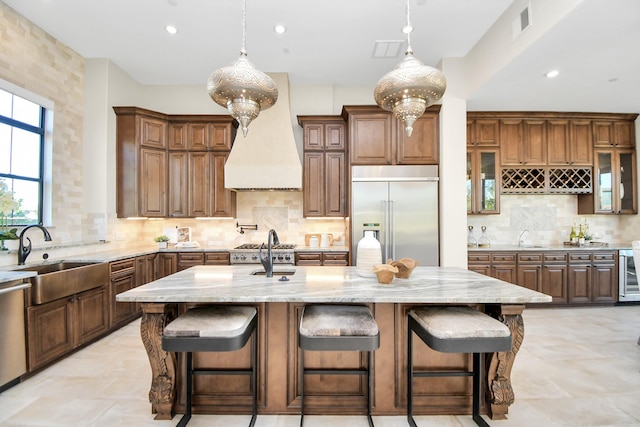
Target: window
22	135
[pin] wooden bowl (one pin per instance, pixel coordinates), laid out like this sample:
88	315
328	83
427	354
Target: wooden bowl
405	267
385	273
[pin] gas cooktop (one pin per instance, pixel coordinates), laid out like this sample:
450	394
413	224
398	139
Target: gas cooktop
257	246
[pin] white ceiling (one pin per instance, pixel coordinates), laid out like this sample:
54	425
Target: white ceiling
331	42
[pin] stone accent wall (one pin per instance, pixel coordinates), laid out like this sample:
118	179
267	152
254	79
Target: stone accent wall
34	60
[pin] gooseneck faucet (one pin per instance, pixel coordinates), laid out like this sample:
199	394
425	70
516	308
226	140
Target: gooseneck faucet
25	250
521	238
267	262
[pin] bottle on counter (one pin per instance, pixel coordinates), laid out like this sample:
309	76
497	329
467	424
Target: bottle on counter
483	241
573	237
471	240
368	254
581	236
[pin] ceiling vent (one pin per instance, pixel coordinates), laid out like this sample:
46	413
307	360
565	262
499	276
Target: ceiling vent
387	48
522	21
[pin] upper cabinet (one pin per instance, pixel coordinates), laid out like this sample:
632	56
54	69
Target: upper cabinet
569	142
483	132
523	142
172	166
376	137
610	133
325	166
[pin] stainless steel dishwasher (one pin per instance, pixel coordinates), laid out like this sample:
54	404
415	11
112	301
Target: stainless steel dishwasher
13	349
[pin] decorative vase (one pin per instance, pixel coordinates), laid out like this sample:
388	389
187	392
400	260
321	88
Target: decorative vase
369	254
162	245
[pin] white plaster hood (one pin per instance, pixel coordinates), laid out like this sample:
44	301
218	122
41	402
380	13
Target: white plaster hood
267	158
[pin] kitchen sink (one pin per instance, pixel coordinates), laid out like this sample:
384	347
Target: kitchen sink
65	278
276	273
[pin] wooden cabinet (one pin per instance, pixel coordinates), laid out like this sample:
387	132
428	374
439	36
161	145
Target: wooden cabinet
615	184
614	133
189	259
483	181
322	258
56	328
569	142
376	137
172	165
523	142
483	132
122	275
217	258
166	264
325	167
574	277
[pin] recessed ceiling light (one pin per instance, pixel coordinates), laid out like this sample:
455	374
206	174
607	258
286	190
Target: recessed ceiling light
407	29
280	29
553	73
171	29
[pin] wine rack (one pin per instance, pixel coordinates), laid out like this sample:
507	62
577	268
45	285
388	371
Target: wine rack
546	181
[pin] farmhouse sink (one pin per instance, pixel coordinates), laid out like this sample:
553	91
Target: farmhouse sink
65	278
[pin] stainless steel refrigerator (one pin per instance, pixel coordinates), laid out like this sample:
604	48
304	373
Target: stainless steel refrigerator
399	203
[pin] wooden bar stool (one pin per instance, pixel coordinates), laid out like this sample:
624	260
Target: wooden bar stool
213	328
338	328
455	330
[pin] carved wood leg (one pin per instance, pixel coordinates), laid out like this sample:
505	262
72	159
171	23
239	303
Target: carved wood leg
163	364
499	391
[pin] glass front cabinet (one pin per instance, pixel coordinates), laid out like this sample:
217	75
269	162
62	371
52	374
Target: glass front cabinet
483	181
614	190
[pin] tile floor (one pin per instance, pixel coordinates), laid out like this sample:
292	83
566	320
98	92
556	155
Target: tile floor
577	367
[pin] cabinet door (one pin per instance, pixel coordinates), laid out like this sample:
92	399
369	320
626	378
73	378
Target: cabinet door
504	272
579	283
178	184
624	134
554	282
483	132
314	180
482	182
122	312
198	136
535	142
153	182
50	331
605	283
220	136
370	137
581	143
313	136
511	142
199	186
603	133
530	276
422	147
334	136
626	165
92	314
558	147
153	132
334	184
610	133
614	183
224	200
178	136
166	264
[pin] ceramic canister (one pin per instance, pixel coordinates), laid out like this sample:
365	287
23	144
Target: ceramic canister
369	253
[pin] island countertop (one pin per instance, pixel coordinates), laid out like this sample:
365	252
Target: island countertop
329	284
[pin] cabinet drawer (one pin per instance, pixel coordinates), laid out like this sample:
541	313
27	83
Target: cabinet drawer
503	258
217	258
555	258
607	257
308	258
195	256
579	257
122	267
478	258
526	257
335	258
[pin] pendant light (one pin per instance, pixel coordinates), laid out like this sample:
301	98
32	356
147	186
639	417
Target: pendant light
410	88
241	88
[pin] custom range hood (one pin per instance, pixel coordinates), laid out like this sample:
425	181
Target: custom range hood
267	158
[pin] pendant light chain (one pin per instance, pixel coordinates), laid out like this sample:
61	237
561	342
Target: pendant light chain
409	28
243	50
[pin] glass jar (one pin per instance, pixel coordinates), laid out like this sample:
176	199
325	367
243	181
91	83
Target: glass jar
471	240
484	242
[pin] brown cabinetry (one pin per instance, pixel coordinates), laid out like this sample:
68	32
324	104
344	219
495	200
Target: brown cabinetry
376	137
554	276
523	142
56	328
166	264
322	258
569	142
172	166
325	167
614	133
530	270
483	132
483	181
122	275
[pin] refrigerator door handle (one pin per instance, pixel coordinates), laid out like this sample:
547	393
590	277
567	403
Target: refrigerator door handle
392	230
622	290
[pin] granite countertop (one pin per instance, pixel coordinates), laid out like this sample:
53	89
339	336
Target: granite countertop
7	277
556	247
448	285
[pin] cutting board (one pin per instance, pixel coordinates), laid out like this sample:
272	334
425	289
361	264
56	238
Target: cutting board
308	237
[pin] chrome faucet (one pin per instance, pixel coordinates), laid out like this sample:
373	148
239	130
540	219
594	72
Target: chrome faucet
267	262
521	238
25	250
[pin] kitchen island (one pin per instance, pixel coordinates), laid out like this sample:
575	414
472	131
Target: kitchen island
280	303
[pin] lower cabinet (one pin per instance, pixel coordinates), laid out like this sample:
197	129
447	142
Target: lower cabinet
322	258
166	264
122	275
574	277
57	327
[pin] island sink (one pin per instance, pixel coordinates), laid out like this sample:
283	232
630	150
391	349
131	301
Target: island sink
276	273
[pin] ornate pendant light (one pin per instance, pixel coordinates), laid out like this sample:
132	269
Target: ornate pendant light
410	88
241	88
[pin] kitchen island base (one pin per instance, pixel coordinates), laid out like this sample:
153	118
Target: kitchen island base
278	369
